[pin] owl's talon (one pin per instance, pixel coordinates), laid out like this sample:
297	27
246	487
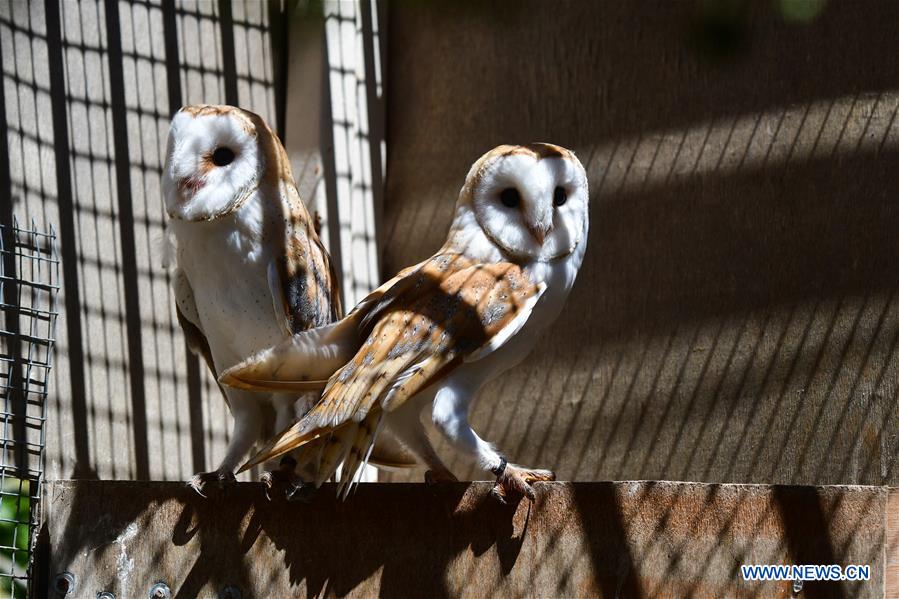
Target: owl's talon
302	492
515	481
196	483
268	480
226	478
219	480
285	476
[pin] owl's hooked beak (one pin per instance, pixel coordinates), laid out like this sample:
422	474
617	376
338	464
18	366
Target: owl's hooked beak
540	231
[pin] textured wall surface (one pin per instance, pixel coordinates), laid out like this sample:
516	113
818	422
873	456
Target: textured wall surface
87	92
736	316
88	89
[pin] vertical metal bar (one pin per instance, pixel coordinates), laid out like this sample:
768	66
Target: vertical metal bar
14	395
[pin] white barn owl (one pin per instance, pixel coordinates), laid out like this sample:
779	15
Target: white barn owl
250	268
417	350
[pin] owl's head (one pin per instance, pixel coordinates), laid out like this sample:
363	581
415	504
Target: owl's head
530	200
215	160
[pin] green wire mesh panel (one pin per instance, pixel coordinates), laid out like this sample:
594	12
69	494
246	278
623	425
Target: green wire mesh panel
29	282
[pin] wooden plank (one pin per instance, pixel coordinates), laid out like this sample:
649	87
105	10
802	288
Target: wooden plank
601	539
891	546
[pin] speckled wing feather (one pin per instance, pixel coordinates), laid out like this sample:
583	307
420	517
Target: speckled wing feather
309	288
420	329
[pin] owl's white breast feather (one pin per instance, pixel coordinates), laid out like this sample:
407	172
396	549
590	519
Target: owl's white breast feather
228	264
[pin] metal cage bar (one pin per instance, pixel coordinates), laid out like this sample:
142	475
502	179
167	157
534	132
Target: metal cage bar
29	284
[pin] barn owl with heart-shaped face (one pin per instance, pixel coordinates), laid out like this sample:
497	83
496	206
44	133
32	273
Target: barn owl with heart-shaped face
417	350
250	268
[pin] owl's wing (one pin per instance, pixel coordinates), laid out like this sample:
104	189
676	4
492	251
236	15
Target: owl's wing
312	356
440	317
189	319
304	286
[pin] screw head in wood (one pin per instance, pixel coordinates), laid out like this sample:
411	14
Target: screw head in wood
230	592
64	583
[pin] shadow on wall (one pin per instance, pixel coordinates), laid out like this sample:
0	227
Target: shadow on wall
86	97
735	318
88	91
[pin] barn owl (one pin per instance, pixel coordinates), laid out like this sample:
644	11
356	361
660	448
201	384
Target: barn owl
250	268
415	352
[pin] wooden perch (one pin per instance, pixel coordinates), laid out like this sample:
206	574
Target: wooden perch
610	539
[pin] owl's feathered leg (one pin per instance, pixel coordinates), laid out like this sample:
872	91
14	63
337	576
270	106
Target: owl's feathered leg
247	427
450	416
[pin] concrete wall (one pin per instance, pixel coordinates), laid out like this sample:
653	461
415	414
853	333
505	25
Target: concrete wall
736	316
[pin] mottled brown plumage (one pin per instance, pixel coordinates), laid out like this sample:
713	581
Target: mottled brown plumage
250	267
421	326
422	346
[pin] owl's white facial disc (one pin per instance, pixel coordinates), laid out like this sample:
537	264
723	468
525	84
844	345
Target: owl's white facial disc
534	207
213	162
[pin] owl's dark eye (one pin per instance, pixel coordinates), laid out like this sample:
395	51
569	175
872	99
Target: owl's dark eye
222	156
560	196
510	197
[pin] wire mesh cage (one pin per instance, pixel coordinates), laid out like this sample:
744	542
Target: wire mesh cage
29	283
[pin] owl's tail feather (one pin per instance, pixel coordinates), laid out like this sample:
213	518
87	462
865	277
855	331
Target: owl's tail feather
298	435
351	443
335	451
302	362
355	461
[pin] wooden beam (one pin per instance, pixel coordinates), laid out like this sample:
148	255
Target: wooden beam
891	546
577	539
